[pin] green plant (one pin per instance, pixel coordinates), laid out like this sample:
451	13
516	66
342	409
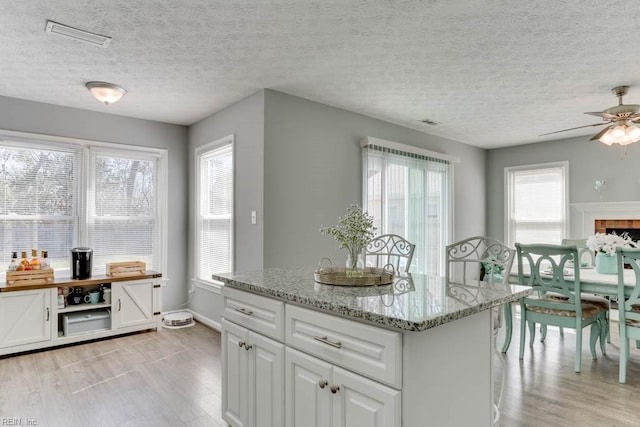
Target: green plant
354	232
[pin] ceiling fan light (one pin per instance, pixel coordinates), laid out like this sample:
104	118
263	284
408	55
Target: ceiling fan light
106	92
618	133
606	138
633	132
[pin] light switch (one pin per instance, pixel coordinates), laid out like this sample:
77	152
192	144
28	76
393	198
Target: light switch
254	217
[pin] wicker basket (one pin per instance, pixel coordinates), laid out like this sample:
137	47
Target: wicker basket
370	276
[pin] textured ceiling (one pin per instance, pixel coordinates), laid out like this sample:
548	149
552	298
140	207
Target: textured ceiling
492	73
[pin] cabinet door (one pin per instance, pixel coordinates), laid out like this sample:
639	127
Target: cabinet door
266	381
25	317
308	395
132	303
361	402
235	371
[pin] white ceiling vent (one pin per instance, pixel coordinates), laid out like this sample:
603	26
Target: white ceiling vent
74	33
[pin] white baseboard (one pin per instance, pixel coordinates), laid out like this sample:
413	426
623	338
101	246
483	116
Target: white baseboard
206	321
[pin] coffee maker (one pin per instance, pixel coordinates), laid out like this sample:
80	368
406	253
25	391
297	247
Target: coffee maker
81	261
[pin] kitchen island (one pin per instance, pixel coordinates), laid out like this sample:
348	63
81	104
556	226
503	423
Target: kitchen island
417	352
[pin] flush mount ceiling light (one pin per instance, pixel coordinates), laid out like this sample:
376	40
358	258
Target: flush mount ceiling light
106	92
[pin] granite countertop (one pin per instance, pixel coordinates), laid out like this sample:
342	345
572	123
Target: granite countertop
411	303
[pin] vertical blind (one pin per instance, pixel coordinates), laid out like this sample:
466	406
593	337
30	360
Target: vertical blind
39	203
215	212
536	204
409	194
123	214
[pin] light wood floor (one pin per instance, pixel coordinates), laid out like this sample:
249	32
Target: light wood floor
172	378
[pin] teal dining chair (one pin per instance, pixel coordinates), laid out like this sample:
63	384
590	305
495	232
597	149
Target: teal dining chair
629	308
556	300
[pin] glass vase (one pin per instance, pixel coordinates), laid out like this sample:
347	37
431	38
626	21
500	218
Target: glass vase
355	269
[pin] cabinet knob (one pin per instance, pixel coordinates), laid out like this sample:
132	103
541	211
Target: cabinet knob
334	389
323	383
241	344
248	347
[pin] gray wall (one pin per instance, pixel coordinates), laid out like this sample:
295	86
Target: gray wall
313	172
27	116
588	161
245	120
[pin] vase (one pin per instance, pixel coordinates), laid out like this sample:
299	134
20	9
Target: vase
355	269
606	264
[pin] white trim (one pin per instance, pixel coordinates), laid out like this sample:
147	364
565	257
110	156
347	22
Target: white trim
206	321
564	165
407	148
219	143
589	212
214	286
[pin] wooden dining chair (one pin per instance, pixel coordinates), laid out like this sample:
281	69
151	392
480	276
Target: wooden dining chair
390	249
557	300
629	308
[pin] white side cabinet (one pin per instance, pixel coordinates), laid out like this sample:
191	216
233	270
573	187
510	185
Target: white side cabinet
32	319
25	317
132	303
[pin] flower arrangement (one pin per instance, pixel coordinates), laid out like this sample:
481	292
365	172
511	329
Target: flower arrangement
354	232
607	243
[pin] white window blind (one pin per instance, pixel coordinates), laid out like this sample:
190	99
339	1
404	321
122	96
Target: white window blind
215	209
123	209
409	194
39	200
537	203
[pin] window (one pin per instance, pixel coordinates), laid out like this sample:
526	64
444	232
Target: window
537	203
56	195
123	208
408	192
214	222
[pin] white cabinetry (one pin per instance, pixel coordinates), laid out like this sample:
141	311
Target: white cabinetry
132	303
31	319
25	317
332	374
253	364
253	389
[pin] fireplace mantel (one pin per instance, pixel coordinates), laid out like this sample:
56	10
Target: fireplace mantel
587	213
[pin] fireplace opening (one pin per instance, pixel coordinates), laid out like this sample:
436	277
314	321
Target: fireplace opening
633	233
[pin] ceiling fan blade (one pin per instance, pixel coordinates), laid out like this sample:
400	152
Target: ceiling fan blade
599	134
579	127
603	115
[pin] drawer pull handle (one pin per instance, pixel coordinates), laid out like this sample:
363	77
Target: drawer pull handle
324	340
244	311
248	347
323	383
241	344
335	389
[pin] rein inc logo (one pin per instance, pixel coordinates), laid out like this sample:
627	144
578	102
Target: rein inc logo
17	421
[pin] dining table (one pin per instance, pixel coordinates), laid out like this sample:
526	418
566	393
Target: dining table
591	282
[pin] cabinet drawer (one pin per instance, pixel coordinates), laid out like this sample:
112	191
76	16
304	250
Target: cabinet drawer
373	352
260	314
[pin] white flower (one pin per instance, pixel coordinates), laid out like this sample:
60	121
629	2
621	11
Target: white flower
607	243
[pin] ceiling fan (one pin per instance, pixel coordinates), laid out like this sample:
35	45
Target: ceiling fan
620	120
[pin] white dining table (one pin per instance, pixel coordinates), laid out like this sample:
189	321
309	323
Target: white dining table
591	282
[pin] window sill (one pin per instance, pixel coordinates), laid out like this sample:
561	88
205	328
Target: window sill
212	286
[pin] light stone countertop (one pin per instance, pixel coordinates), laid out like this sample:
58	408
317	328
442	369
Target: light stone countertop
412	303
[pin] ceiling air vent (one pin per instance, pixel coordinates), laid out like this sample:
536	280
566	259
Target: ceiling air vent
429	122
74	33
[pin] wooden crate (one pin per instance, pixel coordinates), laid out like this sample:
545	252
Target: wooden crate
30	277
125	269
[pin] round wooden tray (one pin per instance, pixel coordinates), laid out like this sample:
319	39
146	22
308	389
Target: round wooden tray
370	276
